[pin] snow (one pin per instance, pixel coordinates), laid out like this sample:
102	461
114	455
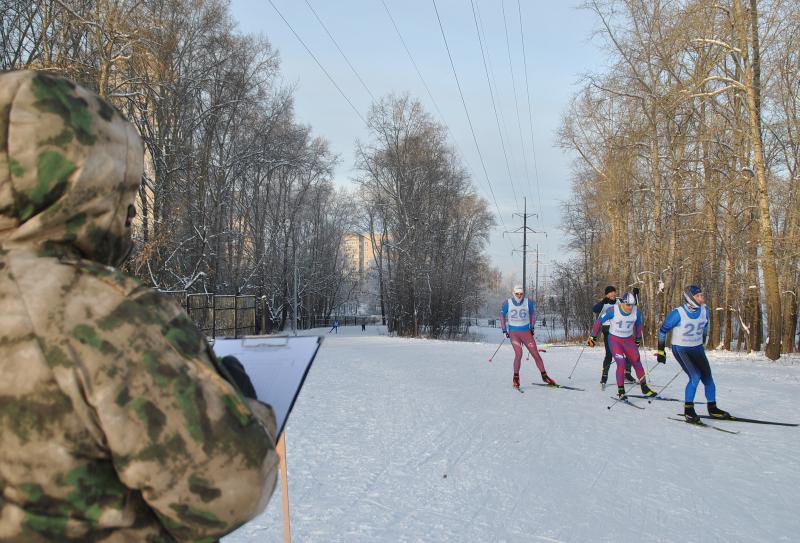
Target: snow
401	440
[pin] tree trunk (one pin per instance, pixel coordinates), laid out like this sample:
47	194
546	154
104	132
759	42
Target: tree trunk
752	83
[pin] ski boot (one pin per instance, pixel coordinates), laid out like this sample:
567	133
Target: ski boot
621	394
547	380
515	382
716	412
629	378
602	385
689	413
647	391
603	378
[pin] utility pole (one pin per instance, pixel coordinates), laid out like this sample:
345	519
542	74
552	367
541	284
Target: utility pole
524	249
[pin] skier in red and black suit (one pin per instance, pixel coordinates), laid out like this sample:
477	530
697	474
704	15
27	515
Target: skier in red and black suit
625	327
517	320
609	300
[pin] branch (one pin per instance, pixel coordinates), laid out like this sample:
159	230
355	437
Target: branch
712	41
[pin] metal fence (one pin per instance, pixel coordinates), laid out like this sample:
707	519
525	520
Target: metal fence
219	315
344	320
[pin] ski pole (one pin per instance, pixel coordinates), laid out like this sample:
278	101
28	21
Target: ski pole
576	362
647	373
498	348
665	386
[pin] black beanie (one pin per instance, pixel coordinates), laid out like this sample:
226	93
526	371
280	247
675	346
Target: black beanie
610	288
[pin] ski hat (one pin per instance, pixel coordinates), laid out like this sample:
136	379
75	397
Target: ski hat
519	289
688	295
628	299
610	288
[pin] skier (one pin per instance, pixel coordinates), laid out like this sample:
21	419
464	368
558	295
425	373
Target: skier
609	300
689	325
335	327
517	320
625	328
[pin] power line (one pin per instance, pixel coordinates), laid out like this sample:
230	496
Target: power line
424	83
494	106
530	112
466	111
514	87
340	50
296	35
510	148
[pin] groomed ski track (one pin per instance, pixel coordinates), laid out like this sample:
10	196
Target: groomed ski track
396	440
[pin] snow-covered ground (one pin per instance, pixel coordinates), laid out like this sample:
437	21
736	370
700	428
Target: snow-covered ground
399	440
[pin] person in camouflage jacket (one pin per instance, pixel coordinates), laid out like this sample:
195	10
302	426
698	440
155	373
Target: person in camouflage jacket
116	423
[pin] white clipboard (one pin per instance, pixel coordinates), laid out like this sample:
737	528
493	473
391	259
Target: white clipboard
277	367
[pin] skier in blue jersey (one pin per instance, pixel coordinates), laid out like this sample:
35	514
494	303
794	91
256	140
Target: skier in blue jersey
689	326
517	320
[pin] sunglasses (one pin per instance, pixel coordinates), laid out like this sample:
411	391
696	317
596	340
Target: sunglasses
519	294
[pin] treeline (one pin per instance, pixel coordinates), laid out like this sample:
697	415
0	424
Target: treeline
427	227
237	194
688	148
236	191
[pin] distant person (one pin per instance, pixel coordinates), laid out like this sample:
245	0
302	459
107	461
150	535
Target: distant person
363	327
117	421
335	327
517	321
609	300
689	326
625	329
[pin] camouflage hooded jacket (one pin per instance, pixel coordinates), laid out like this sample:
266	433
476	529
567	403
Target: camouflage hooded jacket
115	424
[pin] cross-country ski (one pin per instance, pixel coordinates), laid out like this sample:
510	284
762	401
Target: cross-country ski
701	424
650	399
752	421
558	386
624	401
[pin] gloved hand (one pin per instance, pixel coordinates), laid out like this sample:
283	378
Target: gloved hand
507	334
531	331
235	372
638	341
661	356
591	340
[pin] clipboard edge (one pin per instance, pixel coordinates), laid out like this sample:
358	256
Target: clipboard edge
279	432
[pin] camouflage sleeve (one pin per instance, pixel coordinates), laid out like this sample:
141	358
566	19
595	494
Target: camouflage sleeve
201	455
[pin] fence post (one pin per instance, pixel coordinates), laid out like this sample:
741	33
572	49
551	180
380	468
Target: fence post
213	315
235	317
264	315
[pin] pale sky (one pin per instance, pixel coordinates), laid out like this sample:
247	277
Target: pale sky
559	50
